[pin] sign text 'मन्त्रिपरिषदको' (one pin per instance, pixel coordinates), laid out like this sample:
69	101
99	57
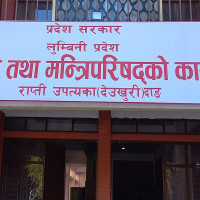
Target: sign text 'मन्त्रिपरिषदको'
100	61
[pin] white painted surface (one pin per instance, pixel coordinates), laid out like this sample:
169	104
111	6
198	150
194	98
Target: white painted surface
94	113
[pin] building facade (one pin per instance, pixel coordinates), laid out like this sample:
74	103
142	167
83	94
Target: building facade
87	150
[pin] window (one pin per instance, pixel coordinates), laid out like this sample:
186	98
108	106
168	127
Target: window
112	10
34	10
182	171
23	170
181	10
51	124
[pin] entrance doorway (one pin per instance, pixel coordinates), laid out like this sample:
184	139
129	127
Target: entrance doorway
49	170
46	170
137	171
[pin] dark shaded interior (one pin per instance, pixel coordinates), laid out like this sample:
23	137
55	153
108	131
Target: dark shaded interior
137	171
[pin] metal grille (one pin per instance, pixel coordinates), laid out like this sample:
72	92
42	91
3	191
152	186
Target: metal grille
111	10
80	10
33	10
181	10
26	10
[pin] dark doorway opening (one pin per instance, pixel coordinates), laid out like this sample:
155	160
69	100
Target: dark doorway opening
137	171
47	170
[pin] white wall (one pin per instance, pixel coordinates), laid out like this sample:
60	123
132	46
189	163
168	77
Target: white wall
94	113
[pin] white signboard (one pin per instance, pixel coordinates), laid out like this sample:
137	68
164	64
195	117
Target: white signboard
156	62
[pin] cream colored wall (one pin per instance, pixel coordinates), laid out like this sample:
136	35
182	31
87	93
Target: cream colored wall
75	170
91	105
70	112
